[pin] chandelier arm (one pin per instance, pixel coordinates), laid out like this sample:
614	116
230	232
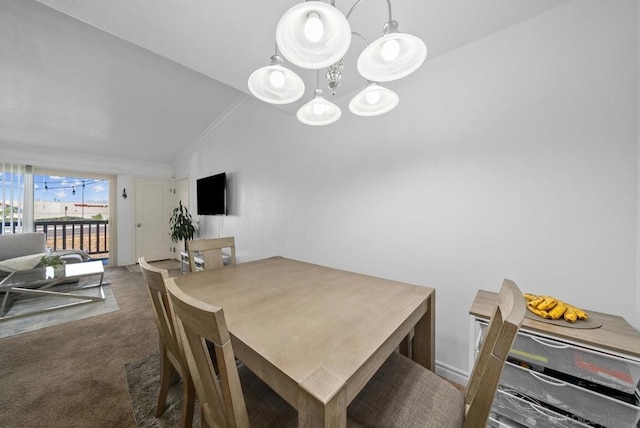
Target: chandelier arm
358	2
358	35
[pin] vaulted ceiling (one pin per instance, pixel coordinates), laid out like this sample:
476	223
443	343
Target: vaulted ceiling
143	79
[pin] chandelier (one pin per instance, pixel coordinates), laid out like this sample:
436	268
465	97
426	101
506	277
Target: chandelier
316	35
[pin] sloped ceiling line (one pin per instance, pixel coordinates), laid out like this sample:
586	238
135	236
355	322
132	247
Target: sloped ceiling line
231	111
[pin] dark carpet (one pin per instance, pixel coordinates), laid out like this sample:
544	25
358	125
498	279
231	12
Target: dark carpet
143	383
71	375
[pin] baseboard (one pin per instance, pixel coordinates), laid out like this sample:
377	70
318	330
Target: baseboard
451	373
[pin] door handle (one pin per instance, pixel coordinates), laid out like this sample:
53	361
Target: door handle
139	224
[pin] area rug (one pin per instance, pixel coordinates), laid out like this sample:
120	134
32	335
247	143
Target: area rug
28	323
143	384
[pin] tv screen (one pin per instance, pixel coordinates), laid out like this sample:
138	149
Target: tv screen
212	195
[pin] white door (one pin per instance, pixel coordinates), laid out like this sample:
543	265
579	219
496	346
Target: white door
152	219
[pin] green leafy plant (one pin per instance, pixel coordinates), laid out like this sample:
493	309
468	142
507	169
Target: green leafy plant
181	224
51	260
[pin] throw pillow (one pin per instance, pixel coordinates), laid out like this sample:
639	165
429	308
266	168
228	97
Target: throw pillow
21	263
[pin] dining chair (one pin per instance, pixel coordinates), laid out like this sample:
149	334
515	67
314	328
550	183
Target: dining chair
210	251
231	395
171	356
405	394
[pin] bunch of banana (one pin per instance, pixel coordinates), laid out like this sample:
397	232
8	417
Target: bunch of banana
552	308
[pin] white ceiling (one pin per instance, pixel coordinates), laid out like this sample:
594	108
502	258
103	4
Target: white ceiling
142	79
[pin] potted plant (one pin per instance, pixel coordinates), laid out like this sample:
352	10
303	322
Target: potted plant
181	224
55	262
51	260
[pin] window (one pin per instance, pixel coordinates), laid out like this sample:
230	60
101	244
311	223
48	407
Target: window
73	210
16	198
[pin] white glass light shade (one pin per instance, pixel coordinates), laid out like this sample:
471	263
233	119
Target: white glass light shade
391	57
373	101
313	35
276	84
318	111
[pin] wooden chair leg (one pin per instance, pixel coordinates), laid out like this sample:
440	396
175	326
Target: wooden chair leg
405	345
166	369
203	419
188	401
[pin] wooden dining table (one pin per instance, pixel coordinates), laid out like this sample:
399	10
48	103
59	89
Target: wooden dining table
316	334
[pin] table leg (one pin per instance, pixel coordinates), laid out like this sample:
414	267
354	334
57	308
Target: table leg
327	406
424	339
405	345
3	309
7	290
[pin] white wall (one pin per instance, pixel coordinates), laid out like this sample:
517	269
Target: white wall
251	160
126	216
515	156
638	137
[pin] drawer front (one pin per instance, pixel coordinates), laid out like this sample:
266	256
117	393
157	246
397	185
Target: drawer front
603	369
590	405
530	413
497	421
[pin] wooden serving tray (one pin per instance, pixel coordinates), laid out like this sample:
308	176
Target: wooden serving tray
591	322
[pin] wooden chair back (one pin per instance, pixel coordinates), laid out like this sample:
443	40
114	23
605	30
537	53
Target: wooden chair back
155	279
503	328
171	352
210	251
222	402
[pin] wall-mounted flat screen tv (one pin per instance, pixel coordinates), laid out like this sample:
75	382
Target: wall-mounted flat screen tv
212	195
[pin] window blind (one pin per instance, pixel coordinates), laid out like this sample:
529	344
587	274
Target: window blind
16	198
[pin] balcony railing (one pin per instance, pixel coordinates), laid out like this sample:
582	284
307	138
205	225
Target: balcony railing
91	236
